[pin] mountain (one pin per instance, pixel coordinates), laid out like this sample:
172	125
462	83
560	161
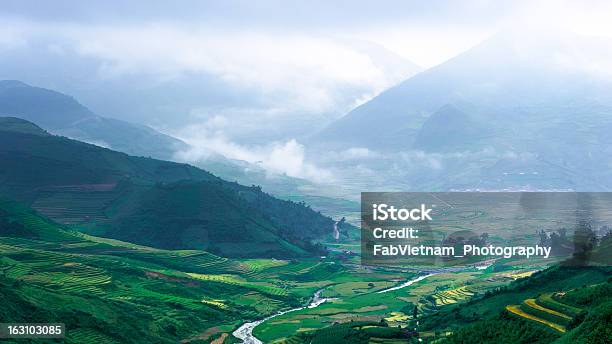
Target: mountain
161	93
542	100
50	109
448	128
508	77
64	115
147	201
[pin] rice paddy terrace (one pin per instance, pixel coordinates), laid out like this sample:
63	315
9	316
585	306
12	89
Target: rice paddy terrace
547	309
75	204
562	304
109	291
357	311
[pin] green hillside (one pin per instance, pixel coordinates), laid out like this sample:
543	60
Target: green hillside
561	304
151	202
525	311
13	124
109	291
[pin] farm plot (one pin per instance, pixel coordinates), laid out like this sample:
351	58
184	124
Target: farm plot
546	310
75	204
88	336
234	280
453	296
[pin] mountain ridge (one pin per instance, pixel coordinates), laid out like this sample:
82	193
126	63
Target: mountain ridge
153	202
537	109
64	115
473	76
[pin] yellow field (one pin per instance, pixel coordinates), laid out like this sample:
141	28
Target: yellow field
217	303
521	274
515	309
397	316
452	296
532	303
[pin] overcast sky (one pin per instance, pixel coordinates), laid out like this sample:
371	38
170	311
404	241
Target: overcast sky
425	32
220	72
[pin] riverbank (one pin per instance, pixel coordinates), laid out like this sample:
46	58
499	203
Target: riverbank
245	332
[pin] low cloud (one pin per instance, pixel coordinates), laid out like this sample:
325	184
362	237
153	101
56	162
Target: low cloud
285	158
309	72
171	73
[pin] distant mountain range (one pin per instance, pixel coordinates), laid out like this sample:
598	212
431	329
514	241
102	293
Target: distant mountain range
63	115
147	201
540	105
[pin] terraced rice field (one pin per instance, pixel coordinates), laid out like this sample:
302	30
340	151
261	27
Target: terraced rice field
58	271
88	336
533	304
76	203
549	301
453	296
257	265
234	280
516	309
546	310
114	284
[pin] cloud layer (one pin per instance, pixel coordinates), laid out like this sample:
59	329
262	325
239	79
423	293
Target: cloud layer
284	158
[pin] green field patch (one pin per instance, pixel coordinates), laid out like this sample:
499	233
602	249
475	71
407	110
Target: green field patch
88	336
531	306
235	280
257	265
547	300
353	288
370	308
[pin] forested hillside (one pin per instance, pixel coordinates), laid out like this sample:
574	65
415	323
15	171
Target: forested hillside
148	201
562	304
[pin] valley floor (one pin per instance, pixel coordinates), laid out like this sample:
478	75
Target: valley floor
109	291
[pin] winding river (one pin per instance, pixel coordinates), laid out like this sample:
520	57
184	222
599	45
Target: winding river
245	332
406	284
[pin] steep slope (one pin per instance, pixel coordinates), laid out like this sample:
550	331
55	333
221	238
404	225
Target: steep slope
108	291
63	115
52	110
152	202
450	128
550	306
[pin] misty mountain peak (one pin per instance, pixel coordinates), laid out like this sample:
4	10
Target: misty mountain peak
12	83
508	75
45	107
